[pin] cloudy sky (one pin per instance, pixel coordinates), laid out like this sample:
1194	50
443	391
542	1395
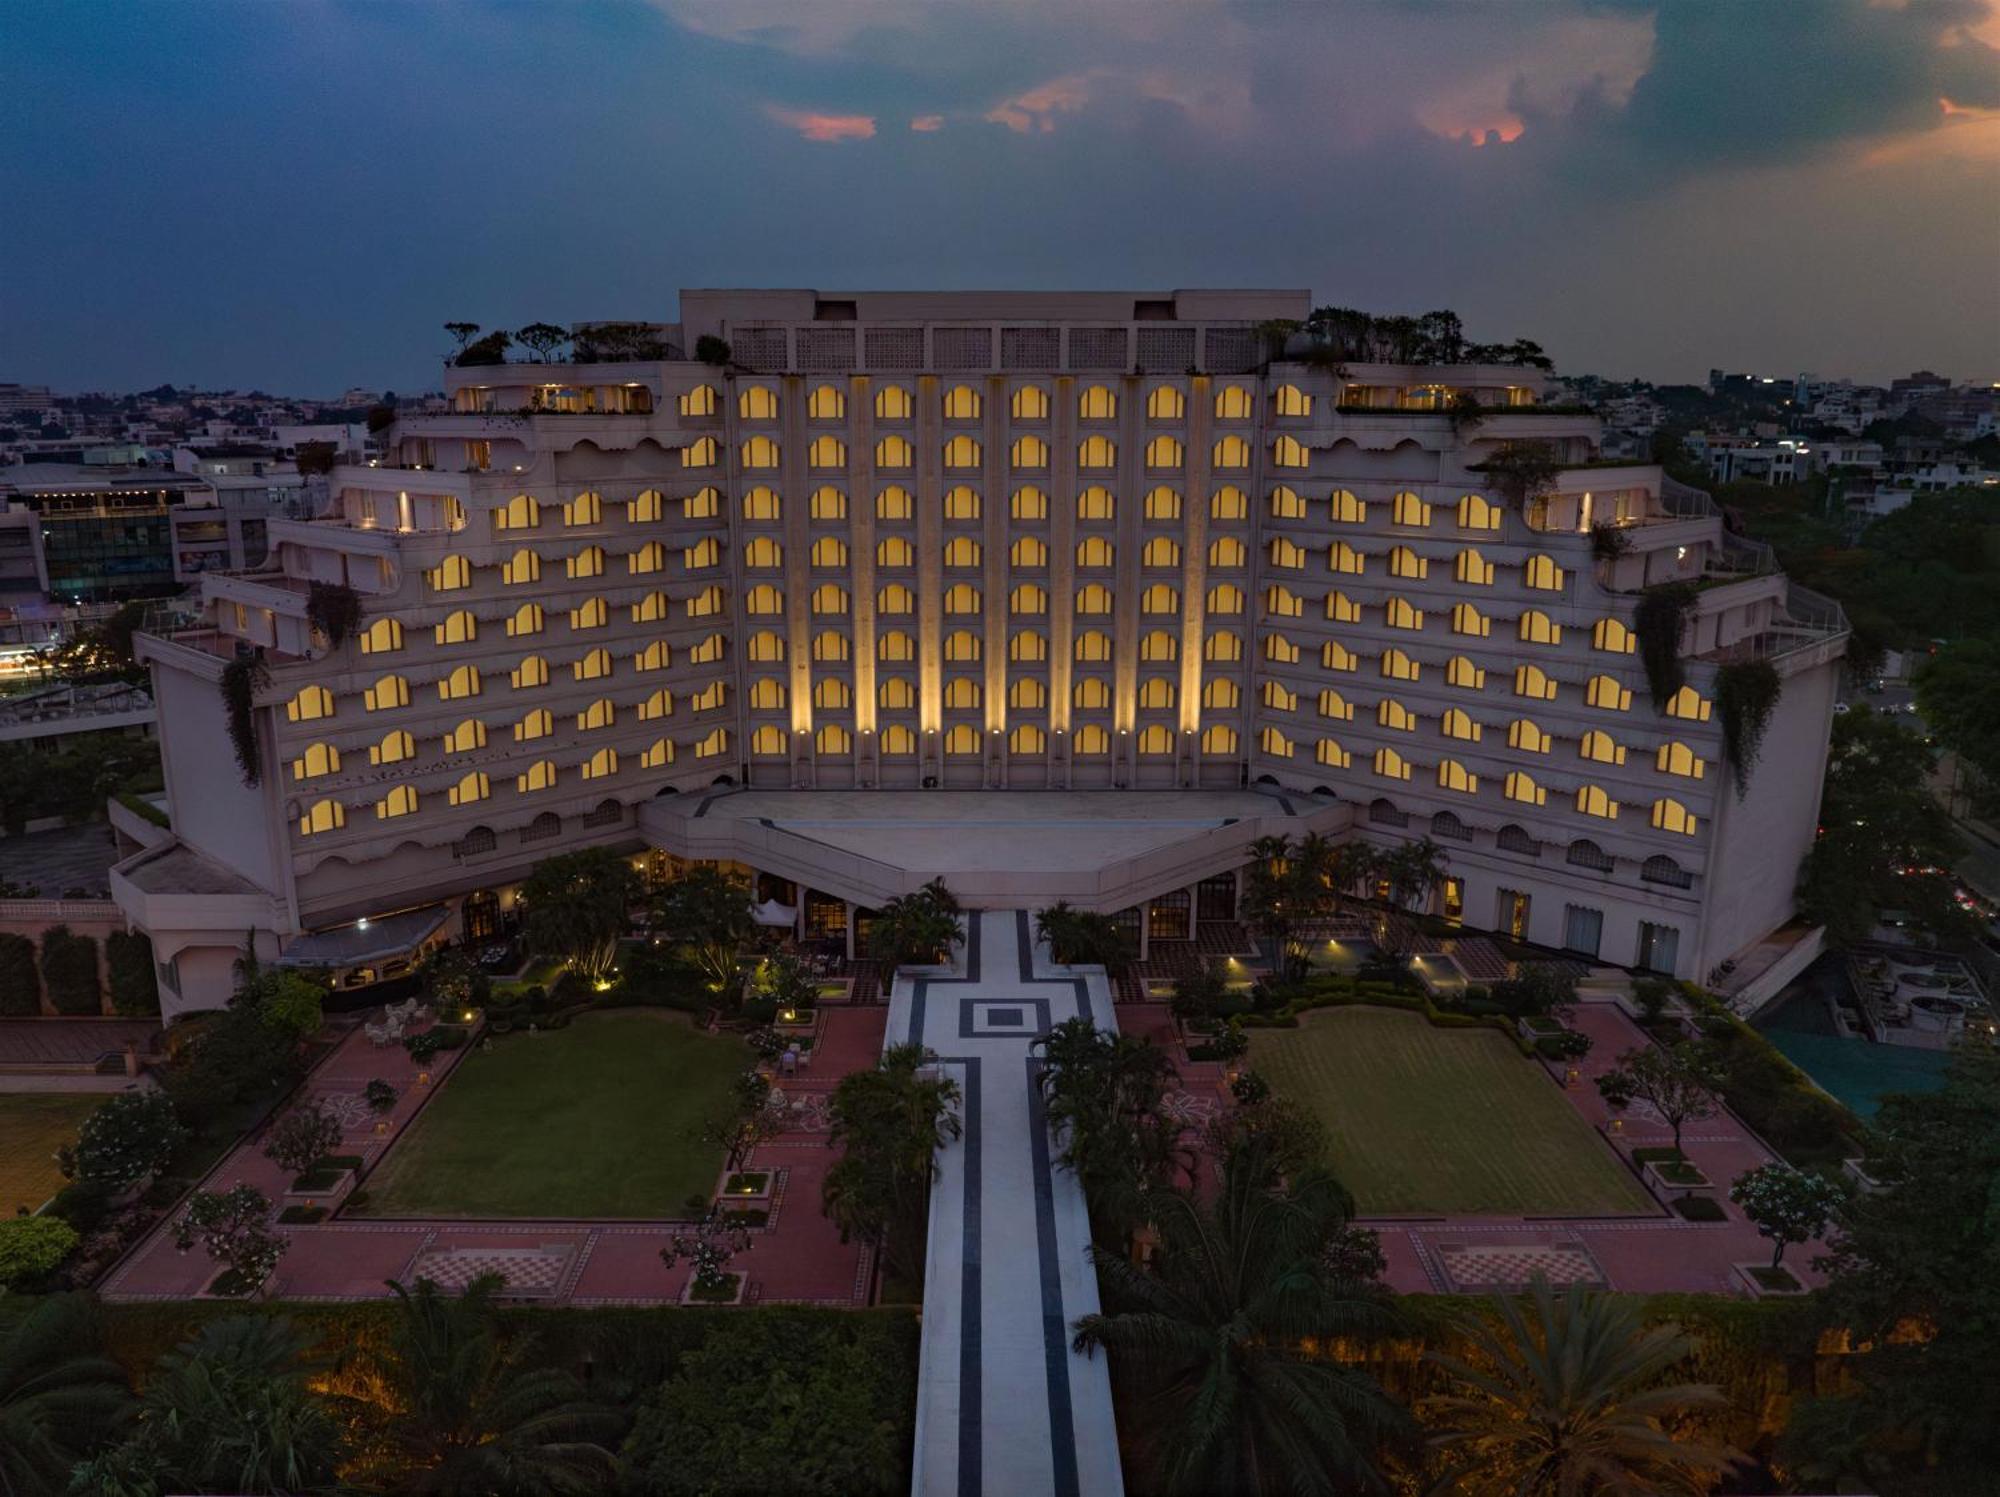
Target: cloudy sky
296	195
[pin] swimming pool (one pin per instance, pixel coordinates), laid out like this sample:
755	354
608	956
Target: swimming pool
1857	1072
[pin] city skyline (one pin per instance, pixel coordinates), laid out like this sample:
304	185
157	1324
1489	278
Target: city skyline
1576	174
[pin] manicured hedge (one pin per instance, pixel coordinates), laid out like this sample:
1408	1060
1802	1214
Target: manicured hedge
20	985
135	989
1343	992
1777	1099
69	971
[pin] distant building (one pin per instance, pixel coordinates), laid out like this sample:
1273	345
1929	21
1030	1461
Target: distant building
25	400
82	532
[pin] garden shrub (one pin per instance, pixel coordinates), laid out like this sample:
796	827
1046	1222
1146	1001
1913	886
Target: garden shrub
69	971
380	1095
20	986
1776	1099
135	989
32	1247
131	1135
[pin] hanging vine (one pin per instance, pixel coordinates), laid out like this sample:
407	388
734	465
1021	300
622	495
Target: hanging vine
1659	620
240	680
1746	693
334	609
1522	472
1609	542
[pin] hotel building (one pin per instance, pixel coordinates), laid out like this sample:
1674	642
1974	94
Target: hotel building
1057	594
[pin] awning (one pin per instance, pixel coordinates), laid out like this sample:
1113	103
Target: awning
773	913
366	940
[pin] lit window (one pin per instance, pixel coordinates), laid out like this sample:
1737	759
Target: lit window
1221	645
1280	649
1391	713
833	694
586	508
532	671
659	704
1028	645
1391	765
1096	452
829	454
1473	568
702	504
1289	452
759	453
1027	739
311	703
757	403
702	452
1465	619
1028	599
537	724
450	574
1605	692
1221	694
1158	645
1271	741
1095	403
650	609
1403	562
1458	723
761	553
1232	403
1165	454
961	403
961	693
704	553
1155	693
1342	609
1453	775
1612	636
1094	598
1029	503
826	404
829	551
826	503
593	666
318	759
893	503
767	694
1227	552
1218	739
1030	403
1029	454
1091	693
1156	739
1521	787
1027	693
1400	613
1527	736
833	739
895	645
898	740
1329	752
1537	628
1335	656
961	739
765	646
1671	816
763	598
1286	503
961	645
700	401
1601	747
1165	403
896	694
709	698
1542	572
895	600
1029	552
601	713
830	645
1407	509
541	775
1278	699
322	816
1346	509
657	754
390	691
707	602
961	452
1281	602
1285	553
382	637
522	512
1091	740
1290	400
1093	645
1229	503
1533	681
1592	800
716	744
1677	758
961	503
962	552
589	562
1397	666
960	597
396	746
473	788
1344	558
1477	513
1688	703
1461	672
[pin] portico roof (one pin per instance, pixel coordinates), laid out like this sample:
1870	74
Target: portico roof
365	940
996	849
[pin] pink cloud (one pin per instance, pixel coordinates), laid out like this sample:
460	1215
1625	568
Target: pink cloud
823	127
1035	111
927	124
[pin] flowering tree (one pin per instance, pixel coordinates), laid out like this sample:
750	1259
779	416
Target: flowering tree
132	1135
709	1247
1787	1205
303	1137
234	1228
1676	1080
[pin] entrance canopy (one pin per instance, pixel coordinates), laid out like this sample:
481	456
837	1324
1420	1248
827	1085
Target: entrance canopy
996	849
365	941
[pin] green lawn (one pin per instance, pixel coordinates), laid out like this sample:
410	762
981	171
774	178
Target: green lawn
1422	1120
594	1120
33	1125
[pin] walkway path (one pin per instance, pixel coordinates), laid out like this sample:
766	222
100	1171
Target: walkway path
1003	1405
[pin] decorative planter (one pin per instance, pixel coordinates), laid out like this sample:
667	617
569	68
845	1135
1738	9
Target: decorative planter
327	1195
735	1297
1749	1274
1535	1028
1691	1182
762	1192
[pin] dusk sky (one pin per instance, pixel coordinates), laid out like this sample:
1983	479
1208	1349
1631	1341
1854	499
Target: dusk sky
296	196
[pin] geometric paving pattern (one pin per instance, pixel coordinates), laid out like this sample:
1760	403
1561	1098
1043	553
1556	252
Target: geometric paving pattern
1469	1267
350	1109
528	1271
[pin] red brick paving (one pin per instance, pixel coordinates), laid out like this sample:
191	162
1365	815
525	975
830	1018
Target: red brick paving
799	1258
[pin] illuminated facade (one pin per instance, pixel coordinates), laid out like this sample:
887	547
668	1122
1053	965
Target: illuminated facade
1055	542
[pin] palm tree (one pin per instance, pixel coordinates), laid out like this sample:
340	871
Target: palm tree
58	1396
1234	1318
472	1419
1562	1399
579	904
913	929
891	1120
1104	1092
230	1411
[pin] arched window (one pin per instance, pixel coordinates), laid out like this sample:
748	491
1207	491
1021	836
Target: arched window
1229	503
532	671
1028	551
716	744
1521	787
1096	452
1158	645
1027	693
1612	636
828	454
1397	666
1091	693
1458	723
826	503
1400	613
1461	672
961	503
1029	454
1541	572
1391	765
312	703
1279	699
1661	869
1334	706
1030	403
1342	557
1329	752
1391	713
470	790
1156	693
895	600
1537	628
1286	503
396	746
1592	800
1677	758
961	597
600	764
896	694
1160	598
1221	694
389	691
893	503
1028	645
586	508
1028	600
894	551
767	694
1096	403
1165	454
450	574
898	740
322	816
833	739
1162	503
961	693
1286	554
765	646
1452	775
538	723
541	775
1346	509
1029	503
601	713
1227	553
657	754
659	704
893	451
1473	569
1093	645
1156	739
961	645
1165	403
894	403
1600	746
1533	681
1273	742
759	453
1688	703
593	666
1224	598
768	740
1027	739
650	557
1407	509
962	552
833	694
757	403
1465	619
589	562
896	646
829	551
1289	452
700	401
1341	609
762	554
1091	741
522	512
830	645
702	504
1606	692
701	453
962	403
1218	739
826	403
1222	645
1475	512
1290	400
961	739
1232	403
1527	735
962	452
1096	503
763	599
1093	598
1403	562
